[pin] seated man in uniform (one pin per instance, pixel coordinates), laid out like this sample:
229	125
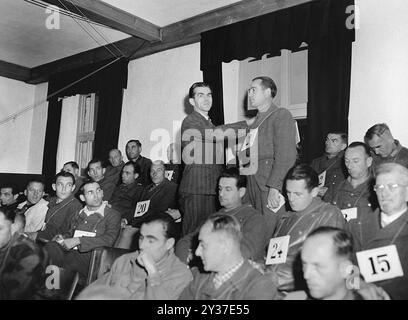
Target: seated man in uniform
329	271
384	147
133	152
61	208
35	207
386	226
114	170
126	195
161	192
151	273
356	192
73	168
96	172
96	225
330	166
308	212
231	277
22	262
231	191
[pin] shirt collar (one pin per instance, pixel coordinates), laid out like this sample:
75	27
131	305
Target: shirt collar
100	210
387	219
221	278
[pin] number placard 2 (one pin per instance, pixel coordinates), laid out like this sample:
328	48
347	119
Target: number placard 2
141	208
380	263
277	250
168	174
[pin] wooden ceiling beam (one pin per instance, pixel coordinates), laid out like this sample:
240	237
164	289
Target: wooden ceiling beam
175	35
14	71
111	16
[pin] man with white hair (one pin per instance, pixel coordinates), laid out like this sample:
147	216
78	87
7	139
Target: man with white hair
113	171
385	227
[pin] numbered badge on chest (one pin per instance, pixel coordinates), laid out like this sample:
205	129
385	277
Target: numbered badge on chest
350	213
277	250
141	208
168	174
380	263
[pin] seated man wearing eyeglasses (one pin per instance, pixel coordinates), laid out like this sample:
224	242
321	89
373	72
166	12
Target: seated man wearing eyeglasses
386	230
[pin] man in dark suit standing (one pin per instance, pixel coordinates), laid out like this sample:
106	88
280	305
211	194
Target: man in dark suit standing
203	156
133	152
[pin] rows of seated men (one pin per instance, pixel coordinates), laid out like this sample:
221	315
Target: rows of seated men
342	232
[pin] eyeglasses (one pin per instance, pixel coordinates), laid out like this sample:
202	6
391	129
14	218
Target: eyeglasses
391	187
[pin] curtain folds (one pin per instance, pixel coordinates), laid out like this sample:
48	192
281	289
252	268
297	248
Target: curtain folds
108	83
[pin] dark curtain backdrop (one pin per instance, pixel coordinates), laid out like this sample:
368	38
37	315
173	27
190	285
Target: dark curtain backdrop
108	83
320	24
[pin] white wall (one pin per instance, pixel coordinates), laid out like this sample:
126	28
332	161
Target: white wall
154	102
15	134
379	74
39	123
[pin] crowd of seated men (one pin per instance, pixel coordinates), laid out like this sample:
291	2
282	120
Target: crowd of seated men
342	231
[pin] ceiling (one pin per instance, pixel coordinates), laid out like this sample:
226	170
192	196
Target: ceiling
26	41
36	42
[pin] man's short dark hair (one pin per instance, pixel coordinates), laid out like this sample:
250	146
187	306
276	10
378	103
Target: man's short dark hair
10	185
343	136
356	144
73	164
241	180
36	180
81	190
342	240
169	226
135	141
65	175
96	160
197	85
227	224
267	82
377	129
136	167
304	172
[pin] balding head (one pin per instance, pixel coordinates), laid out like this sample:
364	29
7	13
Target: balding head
115	157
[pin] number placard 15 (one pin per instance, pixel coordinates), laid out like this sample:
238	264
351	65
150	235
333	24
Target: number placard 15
380	263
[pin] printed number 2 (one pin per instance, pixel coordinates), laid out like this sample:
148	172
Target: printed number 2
379	261
275	251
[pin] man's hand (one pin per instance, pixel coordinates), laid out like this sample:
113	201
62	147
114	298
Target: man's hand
370	291
174	213
32	235
273	198
57	238
146	261
123	223
70	243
